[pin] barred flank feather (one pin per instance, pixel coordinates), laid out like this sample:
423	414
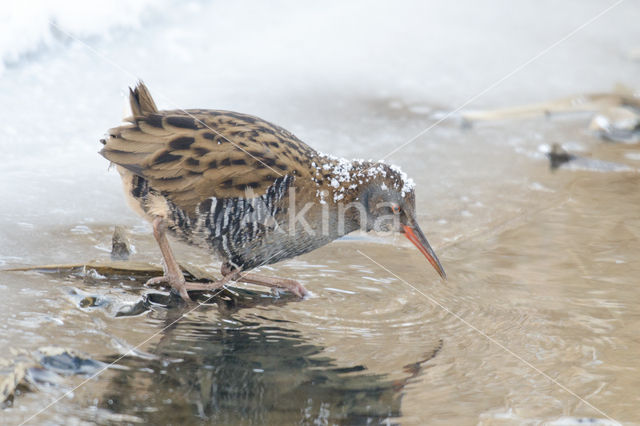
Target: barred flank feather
196	154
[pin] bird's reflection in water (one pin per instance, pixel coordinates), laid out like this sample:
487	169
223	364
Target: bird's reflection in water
228	371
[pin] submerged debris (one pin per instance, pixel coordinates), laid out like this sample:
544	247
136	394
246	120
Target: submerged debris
558	156
67	361
129	277
12	379
594	102
120	246
616	115
28	371
617	124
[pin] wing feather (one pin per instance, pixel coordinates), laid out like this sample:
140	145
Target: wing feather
193	155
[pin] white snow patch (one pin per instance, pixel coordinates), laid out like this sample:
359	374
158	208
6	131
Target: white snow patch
348	174
536	186
409	184
633	156
29	27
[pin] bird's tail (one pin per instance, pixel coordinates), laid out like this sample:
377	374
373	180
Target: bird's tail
142	103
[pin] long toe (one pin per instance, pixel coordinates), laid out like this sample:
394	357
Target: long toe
293	286
157	281
296	288
204	286
182	291
177	283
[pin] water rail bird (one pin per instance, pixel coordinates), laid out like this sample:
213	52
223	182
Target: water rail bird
249	191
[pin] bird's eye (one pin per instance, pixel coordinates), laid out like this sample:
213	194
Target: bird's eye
396	209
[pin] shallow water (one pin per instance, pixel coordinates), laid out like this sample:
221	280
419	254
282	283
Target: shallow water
542	264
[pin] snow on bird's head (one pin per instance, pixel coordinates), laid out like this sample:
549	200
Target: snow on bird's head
347	175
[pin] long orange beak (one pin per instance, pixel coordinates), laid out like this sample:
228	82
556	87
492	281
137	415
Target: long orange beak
415	235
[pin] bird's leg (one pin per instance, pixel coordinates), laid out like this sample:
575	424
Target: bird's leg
172	273
274	282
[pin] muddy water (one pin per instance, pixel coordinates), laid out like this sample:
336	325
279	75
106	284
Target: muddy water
542	272
537	320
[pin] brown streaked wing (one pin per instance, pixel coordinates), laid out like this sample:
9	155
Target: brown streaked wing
188	162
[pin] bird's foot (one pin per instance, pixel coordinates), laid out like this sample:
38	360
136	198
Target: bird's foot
293	286
207	286
180	285
274	282
177	283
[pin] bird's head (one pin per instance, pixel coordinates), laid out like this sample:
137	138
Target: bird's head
389	202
